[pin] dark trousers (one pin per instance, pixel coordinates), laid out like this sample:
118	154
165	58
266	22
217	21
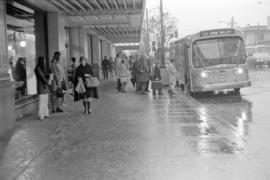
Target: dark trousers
147	85
119	85
105	73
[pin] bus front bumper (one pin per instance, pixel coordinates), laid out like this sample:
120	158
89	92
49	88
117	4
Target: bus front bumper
213	87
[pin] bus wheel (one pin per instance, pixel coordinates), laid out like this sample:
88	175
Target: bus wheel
236	91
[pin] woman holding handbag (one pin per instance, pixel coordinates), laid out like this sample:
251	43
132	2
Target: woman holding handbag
83	72
124	75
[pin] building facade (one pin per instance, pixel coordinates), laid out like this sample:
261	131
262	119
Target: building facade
255	35
33	28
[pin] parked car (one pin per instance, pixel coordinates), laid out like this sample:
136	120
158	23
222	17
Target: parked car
258	56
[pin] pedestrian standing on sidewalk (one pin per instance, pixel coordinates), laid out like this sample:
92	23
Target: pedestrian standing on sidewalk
105	67
58	83
141	75
124	75
149	72
156	80
111	67
172	75
117	72
71	74
42	88
85	71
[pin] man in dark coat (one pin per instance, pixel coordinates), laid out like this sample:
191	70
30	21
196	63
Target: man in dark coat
141	74
105	67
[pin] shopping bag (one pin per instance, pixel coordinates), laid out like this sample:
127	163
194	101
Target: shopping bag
80	89
92	82
64	85
156	84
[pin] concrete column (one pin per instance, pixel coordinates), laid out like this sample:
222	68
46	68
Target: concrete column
57	35
96	49
78	42
7	104
113	51
104	49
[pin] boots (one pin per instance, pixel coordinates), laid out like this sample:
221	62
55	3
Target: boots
89	107
85	108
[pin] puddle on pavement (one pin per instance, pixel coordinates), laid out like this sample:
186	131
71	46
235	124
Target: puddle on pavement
213	146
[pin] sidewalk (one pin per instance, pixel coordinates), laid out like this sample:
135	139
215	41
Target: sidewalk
128	136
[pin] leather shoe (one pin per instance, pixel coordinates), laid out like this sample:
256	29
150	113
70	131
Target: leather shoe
59	110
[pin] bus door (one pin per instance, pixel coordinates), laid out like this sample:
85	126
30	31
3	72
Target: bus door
186	68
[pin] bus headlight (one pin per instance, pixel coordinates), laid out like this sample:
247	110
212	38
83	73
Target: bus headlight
204	74
239	70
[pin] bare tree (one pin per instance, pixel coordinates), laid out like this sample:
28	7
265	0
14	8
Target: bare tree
170	28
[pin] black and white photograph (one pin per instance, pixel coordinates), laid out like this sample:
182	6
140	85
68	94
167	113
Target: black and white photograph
134	89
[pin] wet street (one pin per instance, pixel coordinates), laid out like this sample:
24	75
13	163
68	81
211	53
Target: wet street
131	136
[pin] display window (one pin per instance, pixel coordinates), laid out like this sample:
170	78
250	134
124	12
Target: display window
21	41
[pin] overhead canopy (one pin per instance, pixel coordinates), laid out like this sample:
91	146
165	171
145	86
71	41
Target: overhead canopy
120	21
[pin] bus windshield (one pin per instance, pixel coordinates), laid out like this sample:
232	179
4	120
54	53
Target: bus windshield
211	52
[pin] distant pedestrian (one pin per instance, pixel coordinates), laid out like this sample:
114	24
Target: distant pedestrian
85	71
105	67
172	75
117	72
42	76
156	80
133	73
124	75
111	67
71	73
148	71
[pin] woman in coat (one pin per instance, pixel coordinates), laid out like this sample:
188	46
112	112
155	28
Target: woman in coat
172	75
141	74
124	75
83	72
42	88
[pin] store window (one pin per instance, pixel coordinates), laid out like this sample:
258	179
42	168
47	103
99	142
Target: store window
21	39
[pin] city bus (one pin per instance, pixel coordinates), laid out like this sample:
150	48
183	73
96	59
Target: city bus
258	55
211	60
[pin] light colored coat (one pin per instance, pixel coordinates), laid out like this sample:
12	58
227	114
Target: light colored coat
172	73
123	71
118	67
58	74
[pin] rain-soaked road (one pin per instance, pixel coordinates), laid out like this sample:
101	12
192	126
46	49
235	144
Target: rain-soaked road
141	137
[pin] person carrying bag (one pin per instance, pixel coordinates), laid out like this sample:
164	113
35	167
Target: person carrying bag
86	86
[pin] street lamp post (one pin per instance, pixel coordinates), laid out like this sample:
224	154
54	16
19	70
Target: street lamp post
162	54
147	29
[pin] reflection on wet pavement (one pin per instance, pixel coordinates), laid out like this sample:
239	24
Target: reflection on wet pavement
131	136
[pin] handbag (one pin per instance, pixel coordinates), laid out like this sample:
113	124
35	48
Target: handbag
59	92
156	84
64	85
80	89
92	82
